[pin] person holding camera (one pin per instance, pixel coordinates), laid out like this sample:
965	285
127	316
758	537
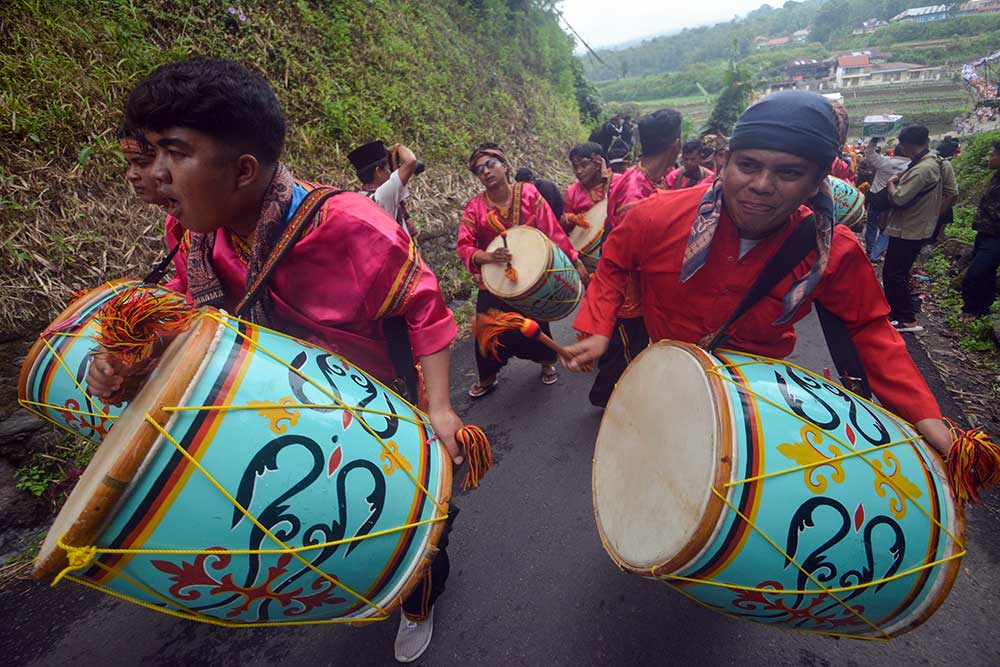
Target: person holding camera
384	176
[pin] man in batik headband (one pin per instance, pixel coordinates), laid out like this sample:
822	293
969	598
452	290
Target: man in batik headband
698	250
139	154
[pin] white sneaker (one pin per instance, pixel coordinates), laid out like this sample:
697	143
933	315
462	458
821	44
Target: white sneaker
413	637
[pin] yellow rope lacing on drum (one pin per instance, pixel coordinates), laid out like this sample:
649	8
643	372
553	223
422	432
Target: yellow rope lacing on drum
83	557
884	636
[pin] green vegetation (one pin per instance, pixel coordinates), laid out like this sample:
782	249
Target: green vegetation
734	98
970	167
51	474
440	76
674	84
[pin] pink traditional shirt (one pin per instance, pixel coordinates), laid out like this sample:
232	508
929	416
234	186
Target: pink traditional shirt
580	199
633	186
707	176
353	267
482	221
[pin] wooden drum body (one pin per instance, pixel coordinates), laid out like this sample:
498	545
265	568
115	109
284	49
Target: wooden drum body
256	478
588	240
768	493
548	287
848	203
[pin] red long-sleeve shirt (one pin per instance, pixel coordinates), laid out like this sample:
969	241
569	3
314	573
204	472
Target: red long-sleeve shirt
651	241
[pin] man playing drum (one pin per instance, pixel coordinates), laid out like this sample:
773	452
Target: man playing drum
660	134
593	182
219	131
486	216
698	250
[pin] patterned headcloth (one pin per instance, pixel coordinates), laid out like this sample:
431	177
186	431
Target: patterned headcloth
136	145
492	152
796	122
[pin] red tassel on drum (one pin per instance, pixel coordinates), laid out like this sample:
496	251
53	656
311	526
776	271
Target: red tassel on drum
973	462
489	326
510	273
477	453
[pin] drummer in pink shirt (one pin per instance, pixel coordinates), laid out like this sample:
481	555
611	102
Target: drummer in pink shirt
691	172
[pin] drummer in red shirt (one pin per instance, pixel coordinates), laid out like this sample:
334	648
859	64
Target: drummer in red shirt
660	134
697	251
593	181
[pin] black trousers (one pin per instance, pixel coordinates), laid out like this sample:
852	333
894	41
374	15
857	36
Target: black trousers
417	606
899	259
628	340
979	285
513	343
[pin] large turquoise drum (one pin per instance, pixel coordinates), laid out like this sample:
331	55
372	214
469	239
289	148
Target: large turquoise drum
768	493
547	288
255	479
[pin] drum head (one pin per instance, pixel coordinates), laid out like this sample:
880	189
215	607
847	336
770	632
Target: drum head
126	446
531	251
581	237
661	448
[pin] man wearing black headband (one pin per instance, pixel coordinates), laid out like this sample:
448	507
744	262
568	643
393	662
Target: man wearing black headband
383	182
698	250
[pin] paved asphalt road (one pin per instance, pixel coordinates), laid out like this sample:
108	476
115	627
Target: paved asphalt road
530	583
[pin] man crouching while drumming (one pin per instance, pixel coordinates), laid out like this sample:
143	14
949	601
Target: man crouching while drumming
219	131
697	251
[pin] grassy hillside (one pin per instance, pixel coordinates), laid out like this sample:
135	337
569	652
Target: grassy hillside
439	76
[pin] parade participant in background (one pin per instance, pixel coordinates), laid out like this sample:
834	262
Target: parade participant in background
387	187
713	151
948	148
593	181
979	286
498	208
614	132
617	159
219	131
660	134
885	167
691	172
139	154
917	197
697	251
549	190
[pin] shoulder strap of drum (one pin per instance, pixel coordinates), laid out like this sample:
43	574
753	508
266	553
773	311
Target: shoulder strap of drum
844	353
793	250
303	217
515	205
156	274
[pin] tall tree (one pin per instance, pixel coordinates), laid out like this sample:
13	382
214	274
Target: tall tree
733	100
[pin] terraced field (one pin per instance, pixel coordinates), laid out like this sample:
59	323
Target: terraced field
934	104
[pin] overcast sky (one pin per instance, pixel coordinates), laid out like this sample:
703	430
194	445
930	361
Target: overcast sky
608	22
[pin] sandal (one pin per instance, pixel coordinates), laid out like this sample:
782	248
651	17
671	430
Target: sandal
480	388
549	374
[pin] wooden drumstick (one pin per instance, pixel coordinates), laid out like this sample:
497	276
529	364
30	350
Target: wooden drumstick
510	272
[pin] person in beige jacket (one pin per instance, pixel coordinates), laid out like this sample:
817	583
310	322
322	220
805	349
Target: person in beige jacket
917	197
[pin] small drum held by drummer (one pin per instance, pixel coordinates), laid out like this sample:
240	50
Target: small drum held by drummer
482	242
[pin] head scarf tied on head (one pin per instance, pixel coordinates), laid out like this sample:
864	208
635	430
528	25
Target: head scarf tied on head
137	145
796	122
493	151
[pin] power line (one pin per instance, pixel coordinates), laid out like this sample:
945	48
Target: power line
582	41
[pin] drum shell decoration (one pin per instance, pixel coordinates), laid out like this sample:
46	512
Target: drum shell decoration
588	241
61	358
551	293
848	203
354	467
866	546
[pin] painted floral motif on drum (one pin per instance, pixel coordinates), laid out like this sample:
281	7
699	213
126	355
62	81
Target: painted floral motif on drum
895	481
277	413
192	581
393	459
807	453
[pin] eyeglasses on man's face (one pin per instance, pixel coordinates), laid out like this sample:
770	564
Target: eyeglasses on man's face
483	166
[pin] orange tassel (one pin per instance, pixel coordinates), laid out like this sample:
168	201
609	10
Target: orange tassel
973	462
510	273
489	326
476	449
133	325
579	220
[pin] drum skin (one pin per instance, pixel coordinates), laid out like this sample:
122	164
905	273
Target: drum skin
848	203
588	241
305	476
866	546
548	288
